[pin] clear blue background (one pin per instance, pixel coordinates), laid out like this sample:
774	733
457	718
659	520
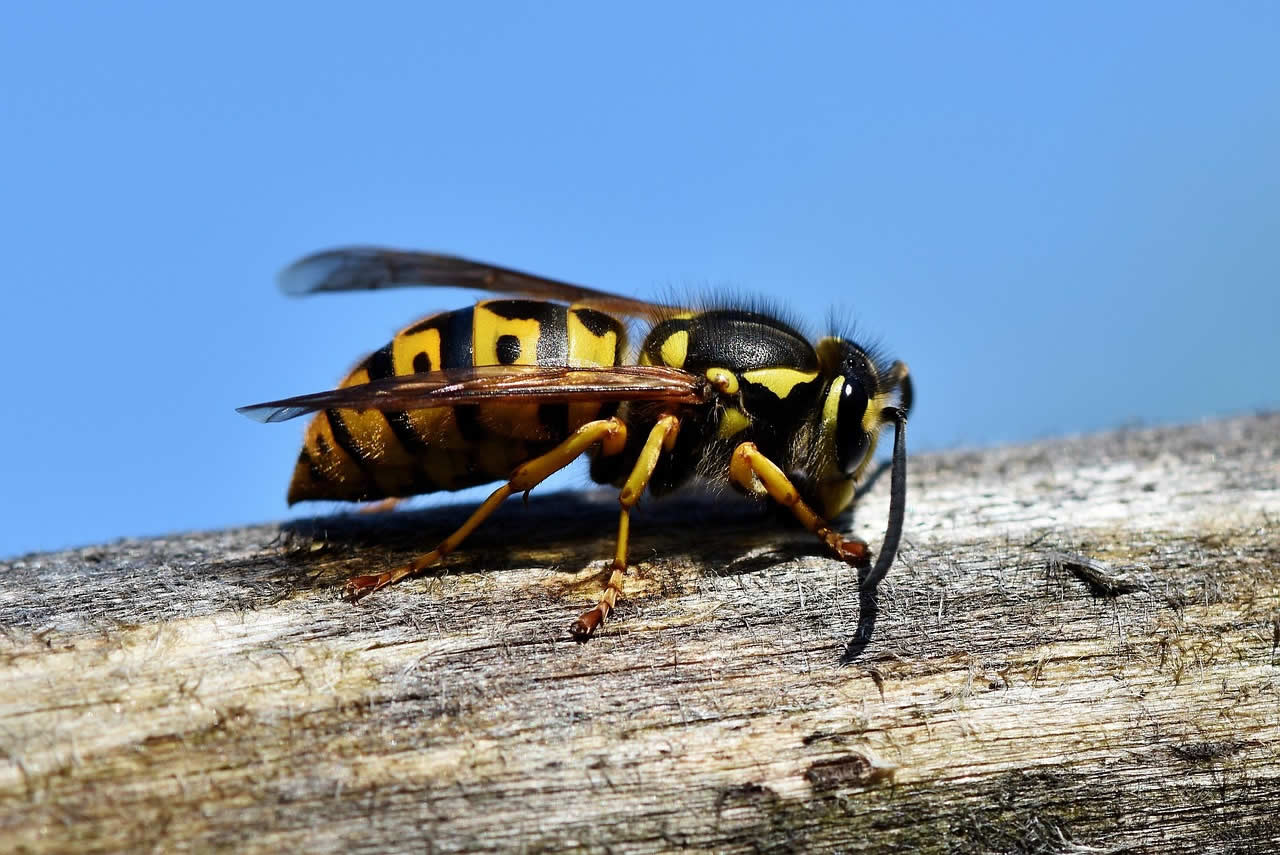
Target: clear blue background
1065	220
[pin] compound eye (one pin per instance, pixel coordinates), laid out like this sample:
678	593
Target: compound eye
851	439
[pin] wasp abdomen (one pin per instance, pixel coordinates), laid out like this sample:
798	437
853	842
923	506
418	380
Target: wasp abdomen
360	455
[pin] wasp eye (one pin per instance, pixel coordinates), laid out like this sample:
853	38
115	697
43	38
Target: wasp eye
851	439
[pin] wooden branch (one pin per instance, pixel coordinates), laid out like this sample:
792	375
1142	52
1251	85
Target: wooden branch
1078	651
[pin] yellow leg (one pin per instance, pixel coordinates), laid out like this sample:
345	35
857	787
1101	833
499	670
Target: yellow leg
751	470
661	438
610	433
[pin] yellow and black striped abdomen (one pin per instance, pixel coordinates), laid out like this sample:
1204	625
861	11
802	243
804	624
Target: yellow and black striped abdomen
358	456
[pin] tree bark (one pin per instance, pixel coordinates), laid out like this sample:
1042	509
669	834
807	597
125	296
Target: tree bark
1078	650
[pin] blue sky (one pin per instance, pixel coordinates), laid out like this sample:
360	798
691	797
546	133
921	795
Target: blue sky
1064	219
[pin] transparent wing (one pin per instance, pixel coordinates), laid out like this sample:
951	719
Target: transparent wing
372	268
515	383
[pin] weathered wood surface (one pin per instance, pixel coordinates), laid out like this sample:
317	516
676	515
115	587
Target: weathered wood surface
210	691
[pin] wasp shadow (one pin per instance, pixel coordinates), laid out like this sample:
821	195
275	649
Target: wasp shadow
868	611
566	530
557	528
718	532
731	535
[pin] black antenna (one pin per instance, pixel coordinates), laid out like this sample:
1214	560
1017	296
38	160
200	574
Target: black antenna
897	497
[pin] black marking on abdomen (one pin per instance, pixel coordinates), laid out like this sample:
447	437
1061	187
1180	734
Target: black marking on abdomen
598	323
347	442
431	323
421	363
508	349
553	336
404	430
523	310
468	418
379	364
368	489
553	327
457	333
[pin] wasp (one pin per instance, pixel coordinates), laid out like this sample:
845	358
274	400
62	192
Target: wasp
515	389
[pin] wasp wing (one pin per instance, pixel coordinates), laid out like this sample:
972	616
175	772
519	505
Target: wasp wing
371	268
500	383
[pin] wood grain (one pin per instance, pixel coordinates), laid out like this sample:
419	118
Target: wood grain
1078	651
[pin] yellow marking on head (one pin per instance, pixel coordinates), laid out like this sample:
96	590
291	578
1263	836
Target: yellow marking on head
870	425
779	381
830	414
724	380
675	349
733	422
831	406
406	347
871	416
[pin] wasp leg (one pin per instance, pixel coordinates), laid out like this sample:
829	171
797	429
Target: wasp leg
610	433
757	474
661	438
